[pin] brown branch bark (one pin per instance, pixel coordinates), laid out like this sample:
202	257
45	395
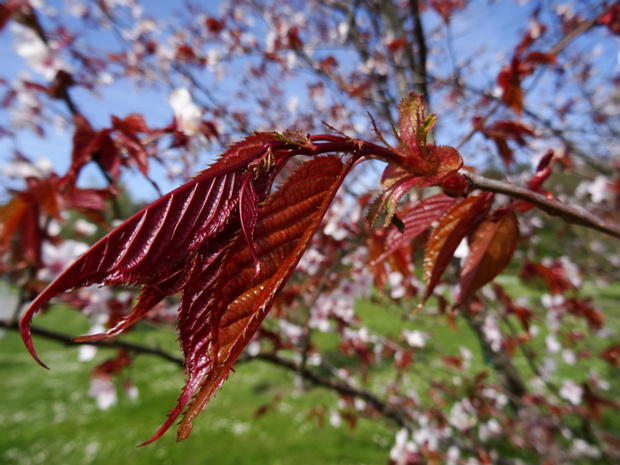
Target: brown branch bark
573	215
420	70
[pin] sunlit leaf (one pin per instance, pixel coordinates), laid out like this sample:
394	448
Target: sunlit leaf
160	245
217	321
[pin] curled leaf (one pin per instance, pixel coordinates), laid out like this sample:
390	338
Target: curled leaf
490	251
458	221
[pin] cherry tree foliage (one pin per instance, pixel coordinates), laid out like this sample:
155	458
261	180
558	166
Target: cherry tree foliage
412	155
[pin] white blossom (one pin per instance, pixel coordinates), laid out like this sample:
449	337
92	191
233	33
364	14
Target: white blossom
24	169
104	392
597	381
492	333
86	352
571	270
569	357
582	448
571	392
38	55
453	455
401	448
131	391
467	356
397	286
253	348
599	189
58	258
311	261
489	429
548	367
187	115
85	228
415	338
462	251
292	331
462	415
552	344
335	419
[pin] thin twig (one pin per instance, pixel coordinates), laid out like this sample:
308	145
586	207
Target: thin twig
568	213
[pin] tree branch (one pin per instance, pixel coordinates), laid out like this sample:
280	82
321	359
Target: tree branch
420	70
110	343
339	386
573	215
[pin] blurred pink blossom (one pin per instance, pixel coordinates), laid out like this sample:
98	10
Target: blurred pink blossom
104	392
39	56
187	115
571	392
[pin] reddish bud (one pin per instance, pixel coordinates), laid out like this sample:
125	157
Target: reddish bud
455	186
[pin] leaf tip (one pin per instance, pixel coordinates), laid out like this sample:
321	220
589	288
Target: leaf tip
26	334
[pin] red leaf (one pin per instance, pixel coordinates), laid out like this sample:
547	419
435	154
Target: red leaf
416	219
13	215
553	275
458	221
113	365
490	252
536	58
193	240
133	123
509	130
83	145
611	354
455	185
445	8
89	202
397	44
595	403
5	14
503	131
582	308
294	42
509	79
159	245
214	26
217	321
107	154
20	218
543	171
413	127
444	162
249	213
127	134
611	18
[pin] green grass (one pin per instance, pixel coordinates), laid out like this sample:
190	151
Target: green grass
46	417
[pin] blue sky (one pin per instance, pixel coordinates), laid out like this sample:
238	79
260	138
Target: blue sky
498	27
